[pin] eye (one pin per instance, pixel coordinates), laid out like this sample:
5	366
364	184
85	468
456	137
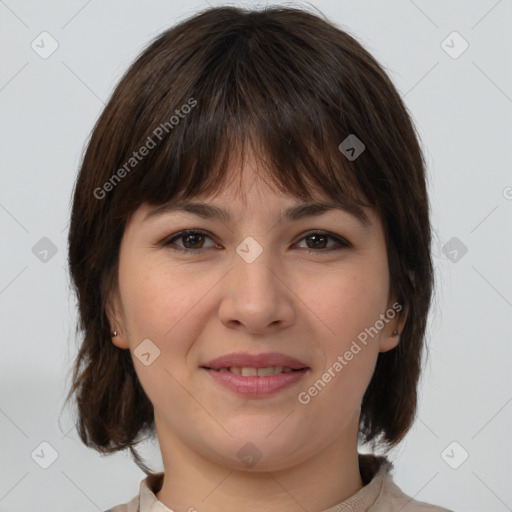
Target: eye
319	240
193	241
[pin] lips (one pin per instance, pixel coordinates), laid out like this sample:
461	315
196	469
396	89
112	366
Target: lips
249	371
256	376
243	360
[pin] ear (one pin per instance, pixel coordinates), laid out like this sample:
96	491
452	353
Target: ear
388	340
116	322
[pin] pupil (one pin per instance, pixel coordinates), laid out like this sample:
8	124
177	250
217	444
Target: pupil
315	244
193	237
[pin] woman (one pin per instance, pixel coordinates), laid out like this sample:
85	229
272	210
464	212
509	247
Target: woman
250	248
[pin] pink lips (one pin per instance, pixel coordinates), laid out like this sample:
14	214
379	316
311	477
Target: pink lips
256	386
241	359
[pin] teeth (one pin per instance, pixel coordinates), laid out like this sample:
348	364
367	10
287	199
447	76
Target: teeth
249	372
259	372
269	371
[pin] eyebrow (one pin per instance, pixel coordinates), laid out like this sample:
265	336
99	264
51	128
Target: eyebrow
293	213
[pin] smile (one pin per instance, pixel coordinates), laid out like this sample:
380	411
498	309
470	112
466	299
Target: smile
256	382
247	371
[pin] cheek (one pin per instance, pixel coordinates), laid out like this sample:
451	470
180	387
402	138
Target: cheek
351	308
155	307
350	302
142	303
348	362
154	300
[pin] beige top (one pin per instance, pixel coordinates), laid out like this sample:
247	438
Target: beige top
379	494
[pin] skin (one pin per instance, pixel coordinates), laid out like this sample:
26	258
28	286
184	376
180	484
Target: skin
199	305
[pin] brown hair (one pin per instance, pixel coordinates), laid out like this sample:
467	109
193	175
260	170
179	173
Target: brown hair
294	85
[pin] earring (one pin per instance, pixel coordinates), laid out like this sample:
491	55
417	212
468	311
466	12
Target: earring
114	334
395	333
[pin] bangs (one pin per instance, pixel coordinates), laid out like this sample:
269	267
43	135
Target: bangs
248	98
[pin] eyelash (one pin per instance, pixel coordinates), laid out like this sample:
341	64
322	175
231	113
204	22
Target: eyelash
169	242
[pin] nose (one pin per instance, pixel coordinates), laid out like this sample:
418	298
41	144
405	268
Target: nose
256	297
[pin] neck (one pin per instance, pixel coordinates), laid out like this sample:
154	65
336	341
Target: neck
192	482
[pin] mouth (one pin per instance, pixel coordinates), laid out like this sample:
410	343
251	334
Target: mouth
250	362
256	376
249	371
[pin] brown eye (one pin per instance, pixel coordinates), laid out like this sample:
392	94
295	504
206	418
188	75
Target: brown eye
192	240
317	241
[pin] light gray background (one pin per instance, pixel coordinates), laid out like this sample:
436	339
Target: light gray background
463	110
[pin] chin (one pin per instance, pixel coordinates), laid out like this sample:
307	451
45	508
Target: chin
258	452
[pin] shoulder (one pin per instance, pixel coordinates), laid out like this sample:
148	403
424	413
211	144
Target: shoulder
146	499
392	498
131	506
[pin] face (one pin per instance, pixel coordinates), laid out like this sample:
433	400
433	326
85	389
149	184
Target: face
255	337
